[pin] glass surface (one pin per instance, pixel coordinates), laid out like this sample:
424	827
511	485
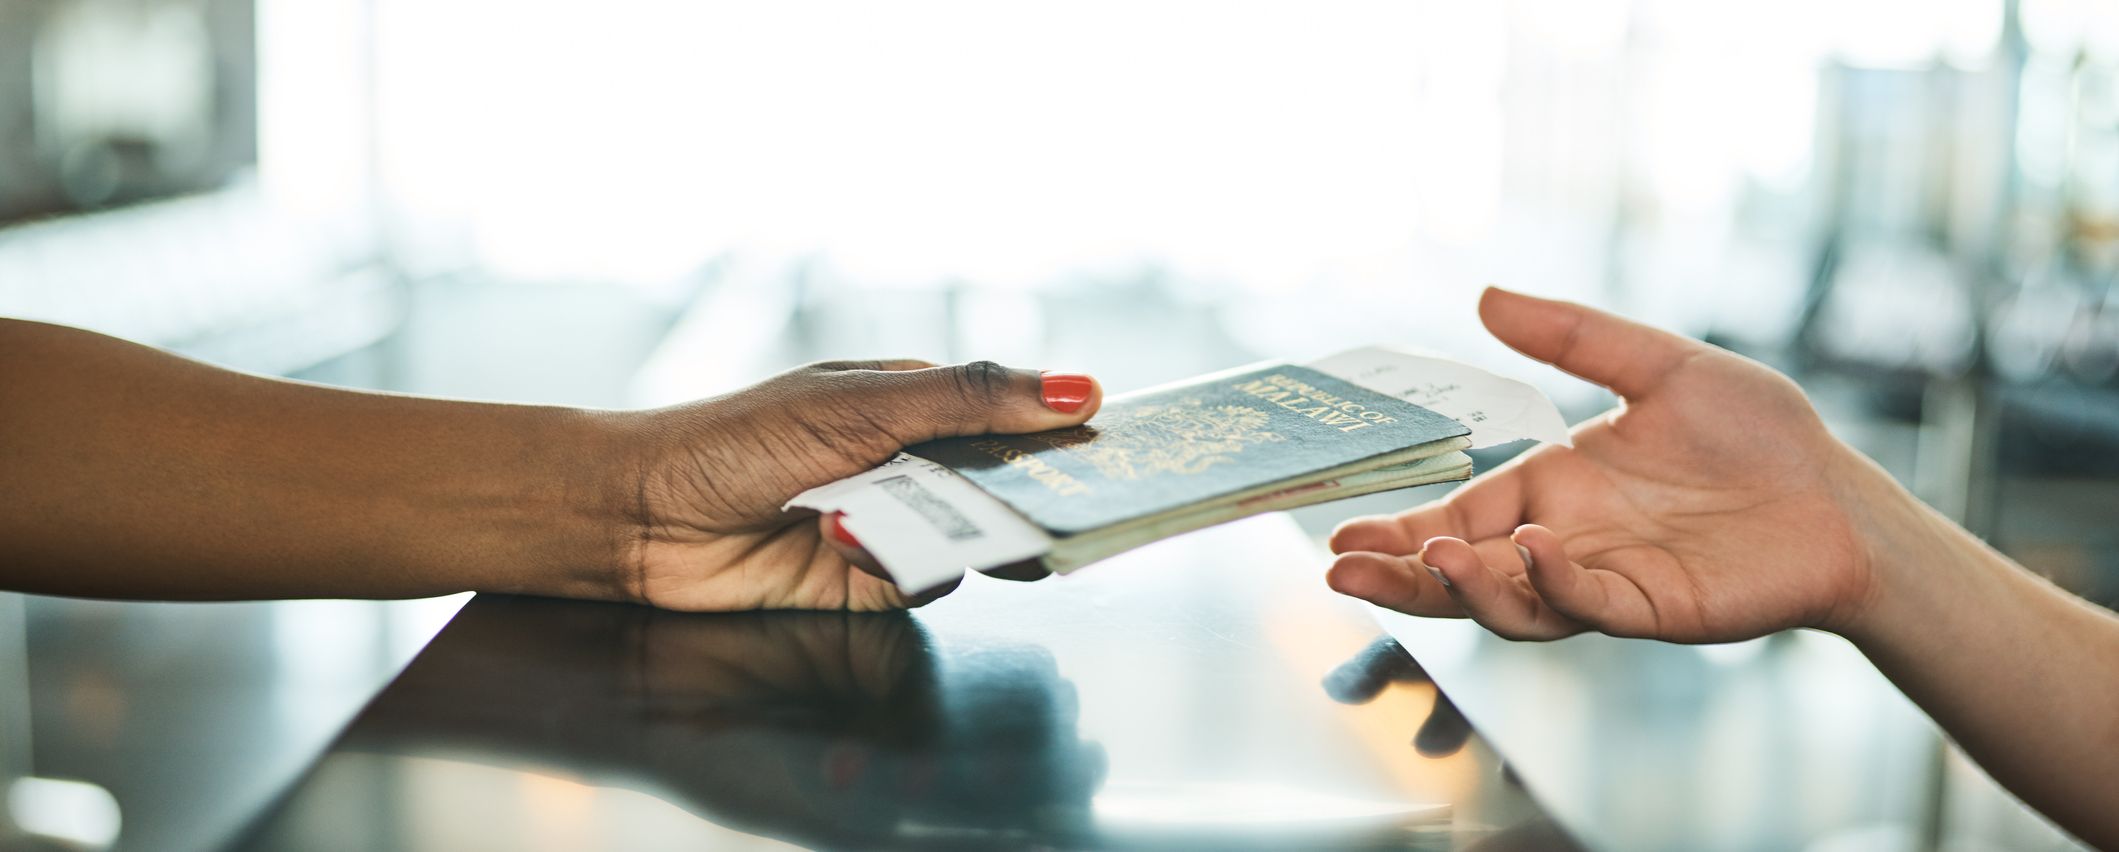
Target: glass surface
1791	741
175	723
1206	692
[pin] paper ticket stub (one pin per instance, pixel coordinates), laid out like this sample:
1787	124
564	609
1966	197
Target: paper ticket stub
1497	409
928	525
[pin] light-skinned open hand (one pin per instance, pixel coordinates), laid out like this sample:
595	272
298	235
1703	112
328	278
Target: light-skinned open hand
1710	506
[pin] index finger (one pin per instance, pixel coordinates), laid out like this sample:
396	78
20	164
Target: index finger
1485	507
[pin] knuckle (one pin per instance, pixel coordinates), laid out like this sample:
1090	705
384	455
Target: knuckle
838	409
983	383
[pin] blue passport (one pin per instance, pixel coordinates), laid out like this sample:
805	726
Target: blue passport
1215	438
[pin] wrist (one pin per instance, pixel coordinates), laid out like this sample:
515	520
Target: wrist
572	529
612	494
1915	562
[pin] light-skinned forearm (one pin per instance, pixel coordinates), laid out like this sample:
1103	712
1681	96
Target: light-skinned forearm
2023	675
128	472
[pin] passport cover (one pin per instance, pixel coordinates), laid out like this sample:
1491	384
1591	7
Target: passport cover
1153	452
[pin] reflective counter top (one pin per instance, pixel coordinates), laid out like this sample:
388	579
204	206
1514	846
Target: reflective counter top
1206	692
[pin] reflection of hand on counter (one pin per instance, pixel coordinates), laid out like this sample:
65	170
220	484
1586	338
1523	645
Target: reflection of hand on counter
1444	732
824	728
1383	663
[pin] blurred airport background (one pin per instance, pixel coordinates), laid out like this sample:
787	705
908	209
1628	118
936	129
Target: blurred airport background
1911	206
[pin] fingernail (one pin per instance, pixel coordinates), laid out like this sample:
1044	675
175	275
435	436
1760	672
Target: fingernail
1525	553
1066	393
840	532
1432	570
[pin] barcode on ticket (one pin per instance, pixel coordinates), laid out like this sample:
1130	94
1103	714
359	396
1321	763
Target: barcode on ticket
937	512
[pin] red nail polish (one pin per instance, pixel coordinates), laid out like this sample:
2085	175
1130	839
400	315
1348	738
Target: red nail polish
1066	393
840	532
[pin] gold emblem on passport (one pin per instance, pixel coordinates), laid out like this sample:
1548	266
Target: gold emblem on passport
1185	438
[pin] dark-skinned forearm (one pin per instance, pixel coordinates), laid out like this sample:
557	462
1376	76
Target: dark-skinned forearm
129	472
